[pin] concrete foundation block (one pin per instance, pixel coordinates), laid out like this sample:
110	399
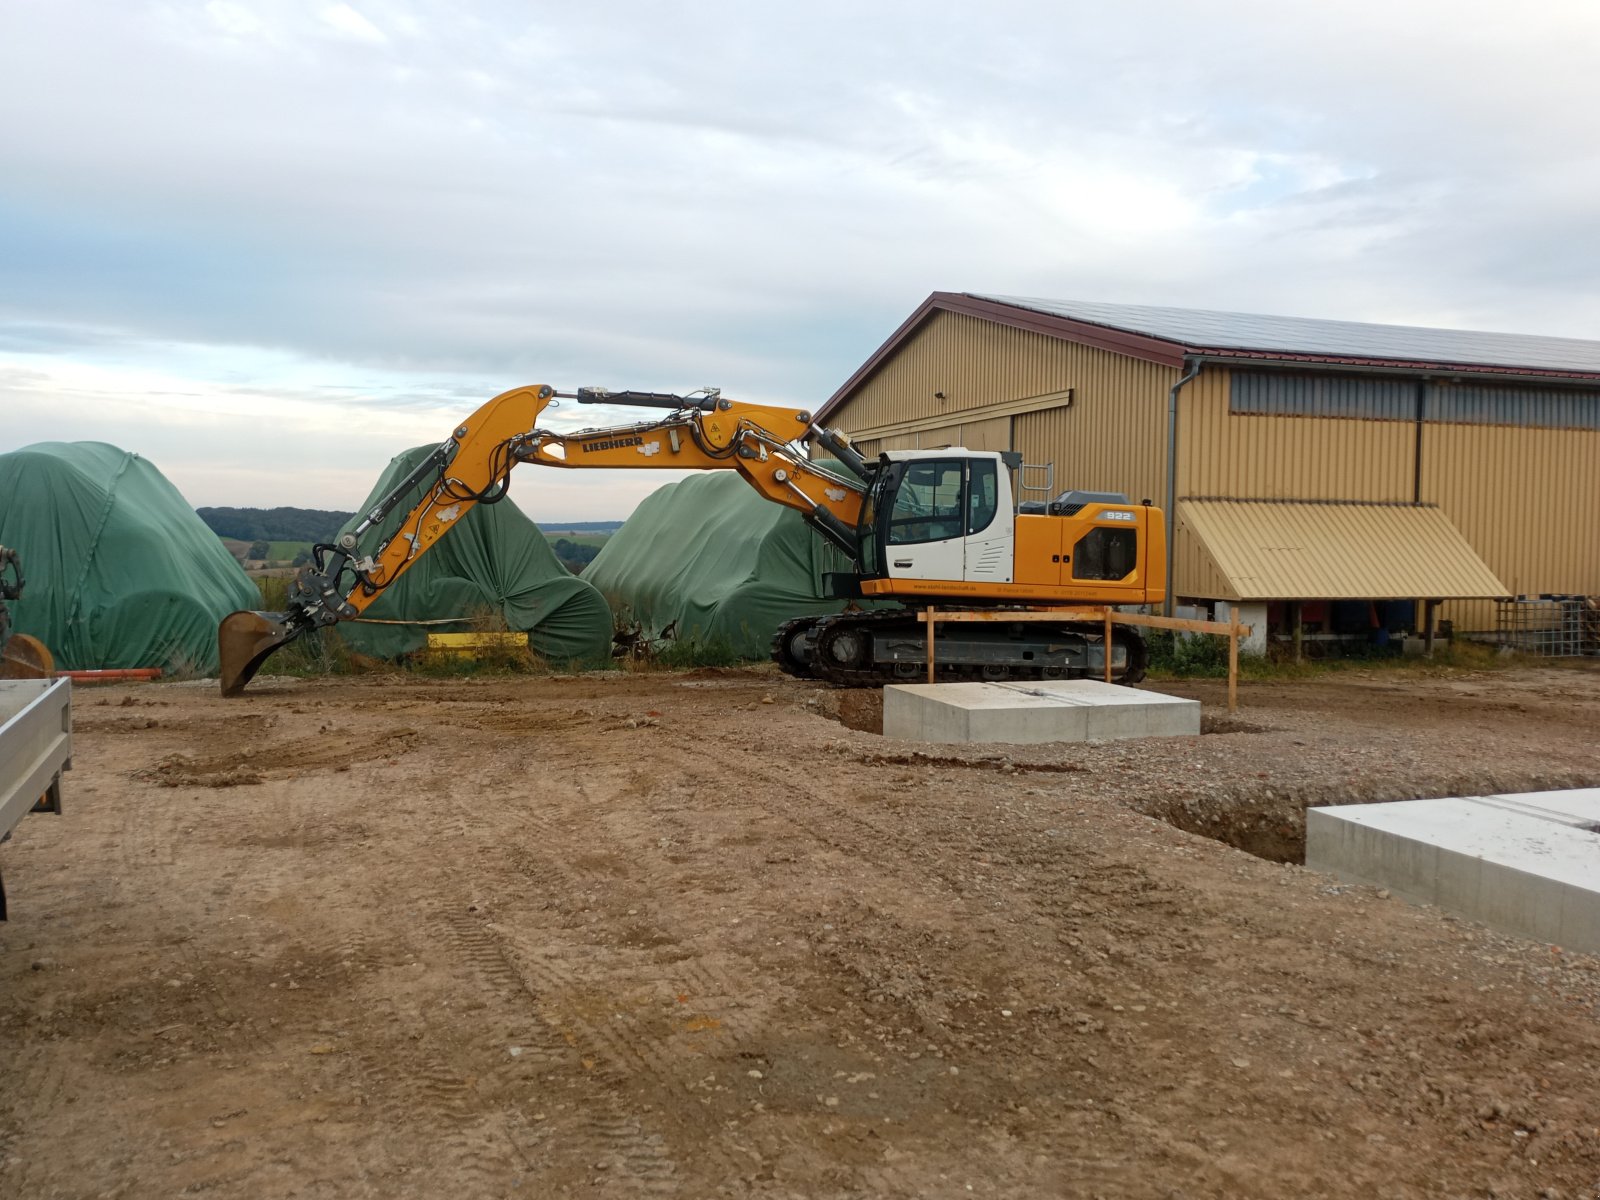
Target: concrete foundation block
1525	863
1065	710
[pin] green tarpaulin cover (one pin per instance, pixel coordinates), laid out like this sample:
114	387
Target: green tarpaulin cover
121	572
494	560
712	555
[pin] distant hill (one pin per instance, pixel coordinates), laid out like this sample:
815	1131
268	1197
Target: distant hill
274	524
579	526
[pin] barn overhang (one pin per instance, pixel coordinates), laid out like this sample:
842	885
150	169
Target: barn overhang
1338	550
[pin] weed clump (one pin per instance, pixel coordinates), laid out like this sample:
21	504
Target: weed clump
1195	656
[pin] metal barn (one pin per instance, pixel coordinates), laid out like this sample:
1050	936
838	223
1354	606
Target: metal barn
1325	474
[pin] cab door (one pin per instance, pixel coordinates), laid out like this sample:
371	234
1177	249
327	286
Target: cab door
991	535
925	530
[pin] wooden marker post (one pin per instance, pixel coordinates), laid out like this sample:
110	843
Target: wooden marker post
1234	629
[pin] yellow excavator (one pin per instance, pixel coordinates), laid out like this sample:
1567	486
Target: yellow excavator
921	527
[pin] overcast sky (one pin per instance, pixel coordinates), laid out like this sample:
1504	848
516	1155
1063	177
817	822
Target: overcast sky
268	245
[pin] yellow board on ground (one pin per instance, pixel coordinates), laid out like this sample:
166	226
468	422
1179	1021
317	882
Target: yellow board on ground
468	643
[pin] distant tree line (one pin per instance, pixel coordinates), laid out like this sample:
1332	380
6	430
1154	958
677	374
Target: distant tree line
574	555
274	524
579	526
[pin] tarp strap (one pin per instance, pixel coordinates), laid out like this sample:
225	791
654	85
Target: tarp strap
78	587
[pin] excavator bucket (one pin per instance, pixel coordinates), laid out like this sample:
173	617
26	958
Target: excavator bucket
244	640
26	658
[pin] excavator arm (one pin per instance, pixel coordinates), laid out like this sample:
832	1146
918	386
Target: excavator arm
473	466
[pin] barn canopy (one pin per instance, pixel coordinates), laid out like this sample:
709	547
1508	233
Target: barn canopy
495	561
120	571
1285	550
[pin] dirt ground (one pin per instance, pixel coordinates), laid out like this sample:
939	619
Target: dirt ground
696	935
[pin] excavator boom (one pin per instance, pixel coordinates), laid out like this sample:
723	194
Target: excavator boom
473	466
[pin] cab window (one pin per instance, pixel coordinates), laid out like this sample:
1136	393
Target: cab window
928	504
983	494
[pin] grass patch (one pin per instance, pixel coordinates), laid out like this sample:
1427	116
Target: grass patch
684	655
1206	657
636	649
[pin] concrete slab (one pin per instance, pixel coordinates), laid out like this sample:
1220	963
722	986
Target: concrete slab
1057	710
1526	863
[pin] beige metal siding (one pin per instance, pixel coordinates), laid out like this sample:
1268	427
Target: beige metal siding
993	434
1287	458
1287	551
1527	499
972	361
1221	453
1109	437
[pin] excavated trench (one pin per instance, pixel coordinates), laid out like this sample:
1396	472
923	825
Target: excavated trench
1264	819
1270	823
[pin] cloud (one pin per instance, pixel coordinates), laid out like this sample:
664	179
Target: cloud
344	20
379	206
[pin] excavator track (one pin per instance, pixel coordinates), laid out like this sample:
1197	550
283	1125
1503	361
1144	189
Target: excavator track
792	645
870	649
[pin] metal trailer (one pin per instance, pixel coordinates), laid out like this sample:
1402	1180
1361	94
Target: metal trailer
35	747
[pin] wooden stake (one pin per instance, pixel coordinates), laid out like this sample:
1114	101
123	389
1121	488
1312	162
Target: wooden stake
1233	664
930	643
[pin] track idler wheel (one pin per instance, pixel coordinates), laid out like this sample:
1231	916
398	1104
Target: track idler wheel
794	644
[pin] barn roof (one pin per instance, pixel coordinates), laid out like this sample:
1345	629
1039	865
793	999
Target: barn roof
1171	335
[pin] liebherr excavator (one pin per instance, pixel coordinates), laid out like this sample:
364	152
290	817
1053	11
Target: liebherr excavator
921	527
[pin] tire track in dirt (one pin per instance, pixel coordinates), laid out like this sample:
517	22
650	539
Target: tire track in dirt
929	865
34	1086
616	1049
605	1133
148	842
884	958
420	1100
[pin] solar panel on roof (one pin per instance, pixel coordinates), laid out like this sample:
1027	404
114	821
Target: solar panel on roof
1199	329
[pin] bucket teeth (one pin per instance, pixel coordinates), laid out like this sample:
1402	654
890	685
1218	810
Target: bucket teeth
244	640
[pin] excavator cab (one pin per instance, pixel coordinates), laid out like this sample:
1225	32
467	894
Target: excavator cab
944	523
937	514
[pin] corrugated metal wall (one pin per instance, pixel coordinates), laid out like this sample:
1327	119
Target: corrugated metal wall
992	433
1394	398
1242	456
1501	404
1528	500
1102	441
1294	394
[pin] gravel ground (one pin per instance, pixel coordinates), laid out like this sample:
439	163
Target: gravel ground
708	934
